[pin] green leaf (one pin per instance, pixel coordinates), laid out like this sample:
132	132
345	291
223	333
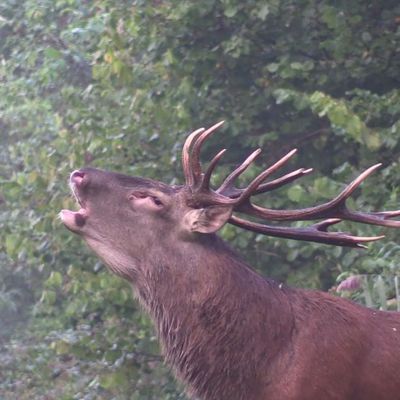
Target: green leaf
12	244
54	280
329	16
48	297
230	11
263	12
113	380
372	140
381	290
273	67
296	66
51	52
61	347
282	95
296	193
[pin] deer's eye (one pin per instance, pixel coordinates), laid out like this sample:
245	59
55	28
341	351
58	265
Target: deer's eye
144	195
157	201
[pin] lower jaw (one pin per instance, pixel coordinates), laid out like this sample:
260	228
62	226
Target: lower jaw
73	220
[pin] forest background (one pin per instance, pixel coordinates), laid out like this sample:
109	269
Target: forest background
118	85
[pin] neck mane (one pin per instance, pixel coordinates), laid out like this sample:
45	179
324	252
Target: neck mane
204	301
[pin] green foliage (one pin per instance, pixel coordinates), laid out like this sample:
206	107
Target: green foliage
118	85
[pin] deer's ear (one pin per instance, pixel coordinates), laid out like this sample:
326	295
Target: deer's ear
208	219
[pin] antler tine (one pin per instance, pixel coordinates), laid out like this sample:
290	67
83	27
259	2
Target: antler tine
207	175
227	188
249	191
355	184
390	214
283	180
197	182
187	170
373	218
324	225
195	156
314	233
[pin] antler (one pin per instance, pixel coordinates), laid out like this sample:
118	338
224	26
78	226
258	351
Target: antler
239	199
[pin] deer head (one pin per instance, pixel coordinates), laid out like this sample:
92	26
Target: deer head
117	209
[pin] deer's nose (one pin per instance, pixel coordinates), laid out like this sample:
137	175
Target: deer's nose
77	177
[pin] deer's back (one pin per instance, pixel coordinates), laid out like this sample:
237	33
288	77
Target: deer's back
338	351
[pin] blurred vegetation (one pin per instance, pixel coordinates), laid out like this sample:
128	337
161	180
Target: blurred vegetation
118	85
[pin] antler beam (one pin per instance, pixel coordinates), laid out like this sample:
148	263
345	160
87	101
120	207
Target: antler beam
313	233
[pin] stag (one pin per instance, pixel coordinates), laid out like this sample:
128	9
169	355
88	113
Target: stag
227	332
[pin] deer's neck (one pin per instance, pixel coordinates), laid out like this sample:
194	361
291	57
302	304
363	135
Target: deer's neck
204	300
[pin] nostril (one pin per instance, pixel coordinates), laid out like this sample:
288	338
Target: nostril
77	177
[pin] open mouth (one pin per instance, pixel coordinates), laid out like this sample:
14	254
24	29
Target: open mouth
75	220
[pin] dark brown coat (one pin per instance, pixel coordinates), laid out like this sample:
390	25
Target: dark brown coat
227	332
